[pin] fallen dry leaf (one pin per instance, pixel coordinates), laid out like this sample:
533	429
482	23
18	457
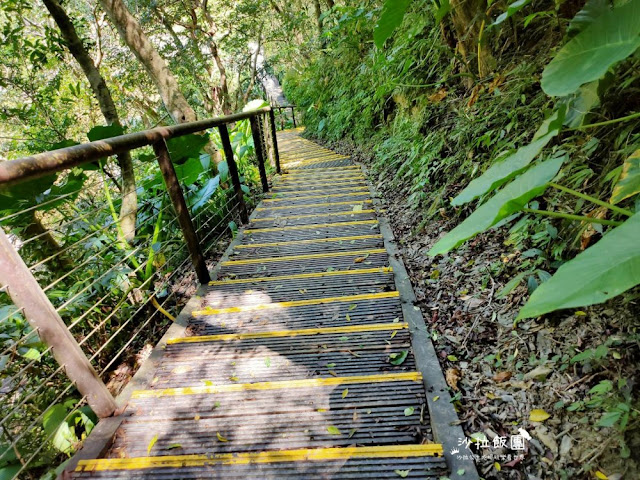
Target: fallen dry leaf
453	376
438	96
502	376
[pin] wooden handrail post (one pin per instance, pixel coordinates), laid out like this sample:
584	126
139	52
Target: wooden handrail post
182	211
293	114
233	172
257	143
274	140
26	294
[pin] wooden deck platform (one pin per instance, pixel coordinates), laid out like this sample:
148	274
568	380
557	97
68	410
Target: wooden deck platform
297	361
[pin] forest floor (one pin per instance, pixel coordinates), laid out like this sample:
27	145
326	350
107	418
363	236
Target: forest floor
500	374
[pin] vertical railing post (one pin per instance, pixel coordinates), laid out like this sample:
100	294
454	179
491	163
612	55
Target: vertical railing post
274	139
257	143
233	172
293	114
26	294
182	211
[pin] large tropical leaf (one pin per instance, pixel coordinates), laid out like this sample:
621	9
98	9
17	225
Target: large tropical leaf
629	182
504	170
187	146
613	36
392	14
601	272
590	12
507	201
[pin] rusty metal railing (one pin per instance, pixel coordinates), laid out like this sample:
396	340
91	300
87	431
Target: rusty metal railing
33	301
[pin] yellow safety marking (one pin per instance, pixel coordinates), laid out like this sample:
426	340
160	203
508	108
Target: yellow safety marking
302	275
306	256
340	171
313	240
282	384
307	172
313	215
311	205
324	184
325	170
326	195
273	456
318	158
376	327
314	225
301	163
295	303
295	192
305	181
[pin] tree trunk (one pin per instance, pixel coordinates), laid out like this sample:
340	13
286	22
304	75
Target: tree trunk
467	17
132	34
99	87
318	11
254	65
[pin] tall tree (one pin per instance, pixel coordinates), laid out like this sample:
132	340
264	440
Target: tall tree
107	107
132	34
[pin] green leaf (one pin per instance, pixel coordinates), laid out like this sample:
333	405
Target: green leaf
629	181
443	9
503	171
188	146
104	131
10	472
408	411
609	419
580	103
189	172
507	201
398	358
152	443
512	284
402	473
205	193
602	271
512	9
590	12
223	170
392	14
613	36
333	431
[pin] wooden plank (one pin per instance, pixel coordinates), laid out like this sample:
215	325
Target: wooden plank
26	294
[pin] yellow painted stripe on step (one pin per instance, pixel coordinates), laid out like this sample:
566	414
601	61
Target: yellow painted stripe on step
301	163
335	188
313	215
325	169
334	179
312	240
314	225
312	205
295	303
272	456
359	184
326	195
282	384
303	160
302	275
376	327
307	256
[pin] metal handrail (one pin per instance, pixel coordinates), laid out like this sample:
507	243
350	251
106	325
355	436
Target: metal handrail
41	164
